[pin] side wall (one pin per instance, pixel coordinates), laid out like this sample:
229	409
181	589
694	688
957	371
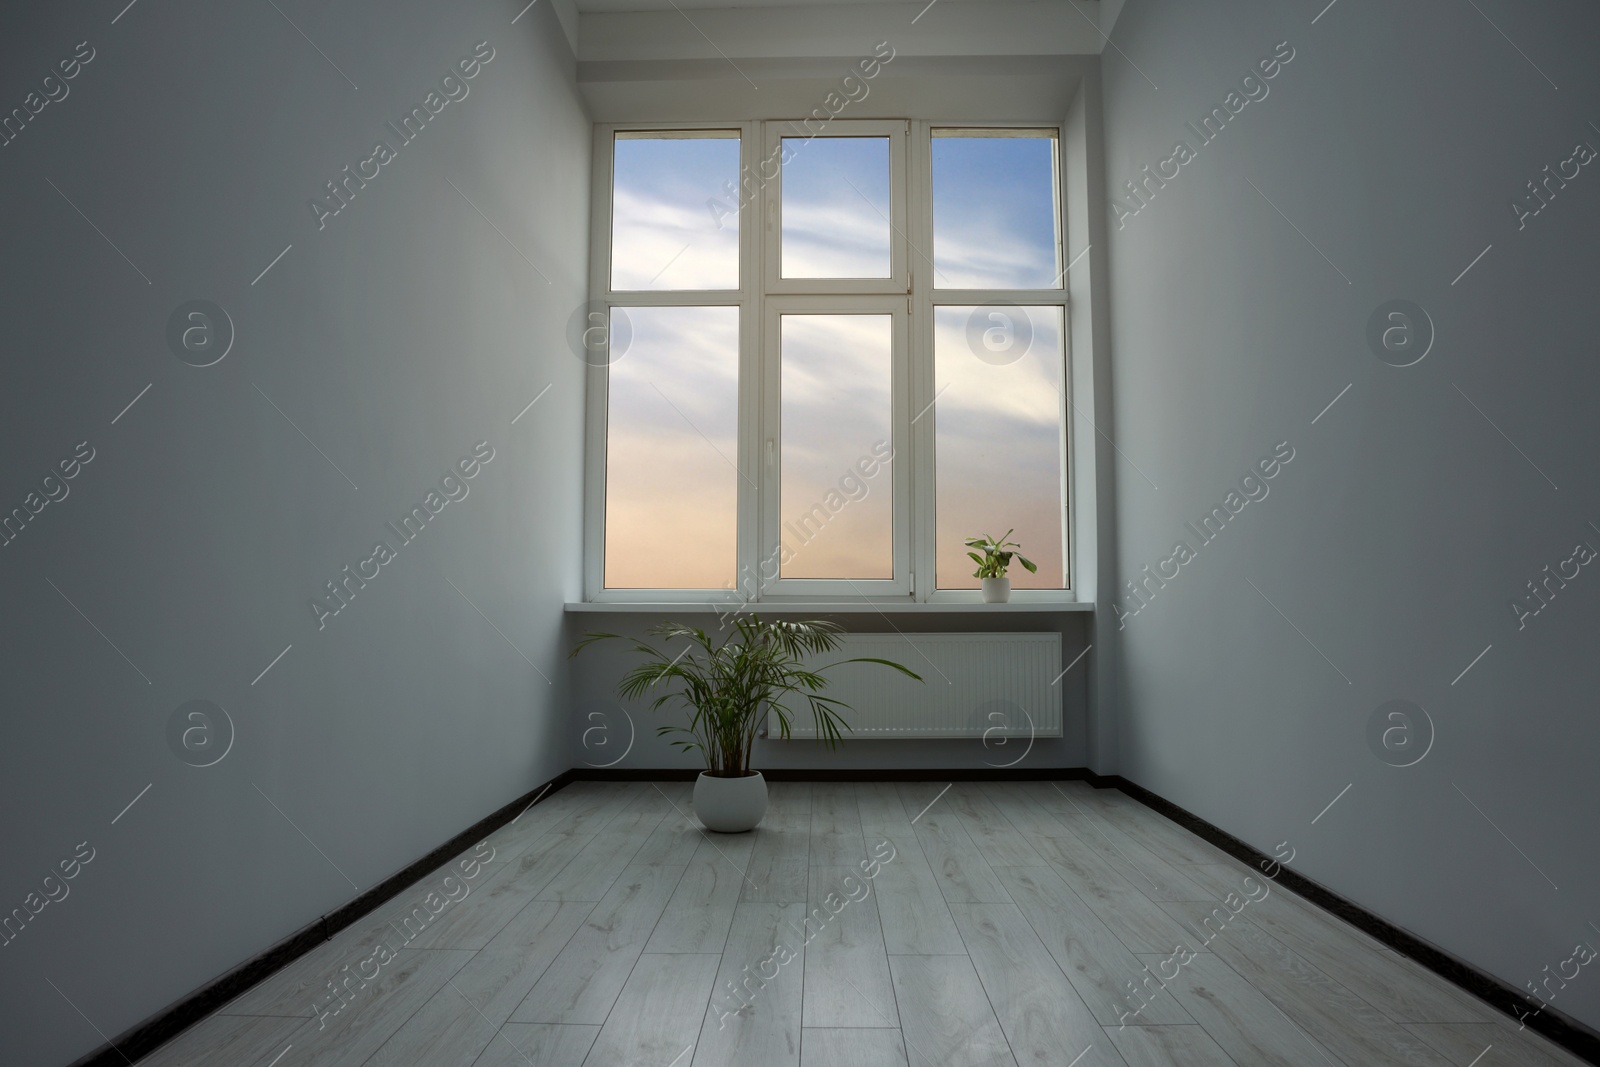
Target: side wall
179	562
1390	553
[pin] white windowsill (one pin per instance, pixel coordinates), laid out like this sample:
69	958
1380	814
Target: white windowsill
833	607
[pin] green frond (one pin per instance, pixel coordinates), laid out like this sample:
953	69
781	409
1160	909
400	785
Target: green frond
728	688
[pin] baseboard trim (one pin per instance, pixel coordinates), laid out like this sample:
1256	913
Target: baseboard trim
155	1031
936	774
166	1024
1572	1035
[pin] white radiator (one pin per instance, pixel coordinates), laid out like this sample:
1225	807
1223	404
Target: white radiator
973	685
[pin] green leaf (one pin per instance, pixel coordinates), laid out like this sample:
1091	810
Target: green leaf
726	688
907	671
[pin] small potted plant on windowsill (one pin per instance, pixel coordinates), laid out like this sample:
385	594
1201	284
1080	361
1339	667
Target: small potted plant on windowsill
728	688
994	561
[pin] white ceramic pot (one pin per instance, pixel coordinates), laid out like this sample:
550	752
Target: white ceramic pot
730	805
996	590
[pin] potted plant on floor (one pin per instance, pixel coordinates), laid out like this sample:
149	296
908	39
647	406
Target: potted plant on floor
728	687
997	553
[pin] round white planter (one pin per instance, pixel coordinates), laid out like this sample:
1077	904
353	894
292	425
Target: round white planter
996	590
730	805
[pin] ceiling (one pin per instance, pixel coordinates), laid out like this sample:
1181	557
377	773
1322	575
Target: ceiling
669	30
591	6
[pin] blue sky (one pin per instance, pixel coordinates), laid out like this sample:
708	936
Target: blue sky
993	217
672	491
836	208
664	236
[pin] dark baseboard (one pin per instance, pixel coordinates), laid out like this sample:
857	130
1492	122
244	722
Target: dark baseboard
163	1026
962	774
145	1037
1569	1033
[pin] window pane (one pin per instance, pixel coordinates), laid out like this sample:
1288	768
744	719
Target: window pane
994	211
836	207
836	507
672	427
675	212
998	439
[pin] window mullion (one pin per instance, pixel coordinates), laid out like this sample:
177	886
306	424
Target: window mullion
751	379
922	400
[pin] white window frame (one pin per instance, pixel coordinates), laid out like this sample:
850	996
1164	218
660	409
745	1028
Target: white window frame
762	296
925	296
772	197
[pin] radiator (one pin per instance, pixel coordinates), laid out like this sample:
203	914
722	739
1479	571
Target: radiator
973	685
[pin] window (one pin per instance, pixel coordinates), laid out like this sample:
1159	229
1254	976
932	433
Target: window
672	433
835	402
825	360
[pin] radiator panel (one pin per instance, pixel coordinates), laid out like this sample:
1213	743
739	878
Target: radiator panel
974	685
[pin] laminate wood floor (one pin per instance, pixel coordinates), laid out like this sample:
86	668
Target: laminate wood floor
863	925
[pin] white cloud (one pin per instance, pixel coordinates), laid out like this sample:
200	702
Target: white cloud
662	244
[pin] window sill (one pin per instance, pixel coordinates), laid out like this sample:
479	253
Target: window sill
842	607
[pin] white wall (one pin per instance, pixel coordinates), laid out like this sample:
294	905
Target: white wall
395	338
616	736
1399	535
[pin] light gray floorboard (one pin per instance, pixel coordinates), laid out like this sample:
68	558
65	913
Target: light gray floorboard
1168	1046
460	1020
583	982
911	907
846	963
501	895
656	1018
836	839
373	1014
600	802
1247	1025
579	808
539	1044
1042	1016
1041	810
1154	876
1003	923
1098	964
779	857
945	1014
758	1022
297	987
673	843
1402	990
878	805
1161	836
1498	1045
991	833
962	874
852	1048
1136	919
598	864
1082	797
790	798
701	909
1353	1029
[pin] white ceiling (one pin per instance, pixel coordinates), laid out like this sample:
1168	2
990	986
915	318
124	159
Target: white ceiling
587	6
942	28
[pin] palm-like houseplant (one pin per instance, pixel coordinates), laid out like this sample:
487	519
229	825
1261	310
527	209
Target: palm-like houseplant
728	687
